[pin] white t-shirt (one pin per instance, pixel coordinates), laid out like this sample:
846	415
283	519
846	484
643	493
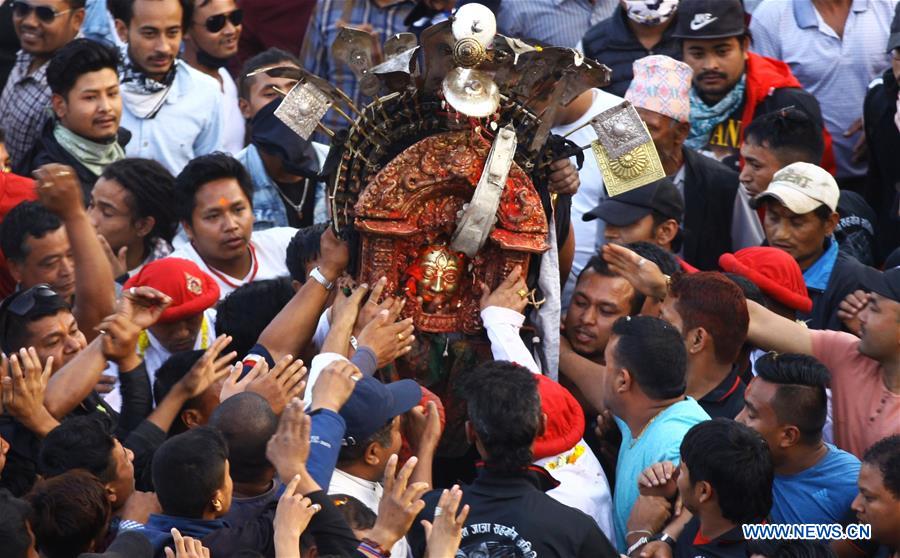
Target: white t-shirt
269	250
369	493
234	125
588	235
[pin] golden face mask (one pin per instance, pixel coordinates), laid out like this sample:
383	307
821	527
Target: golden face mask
440	271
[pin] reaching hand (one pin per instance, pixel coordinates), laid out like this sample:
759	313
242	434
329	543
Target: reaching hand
281	384
372	308
400	503
849	309
186	547
649	513
143	305
118	262
388	340
659	479
334	385
643	274
292	515
563	178
235	384
423	429
335	254
346	308
209	369
23	383
512	293
59	191
119	339
288	448
443	537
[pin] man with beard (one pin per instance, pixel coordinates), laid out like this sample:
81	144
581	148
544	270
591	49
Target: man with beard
210	42
173	110
43	28
85	134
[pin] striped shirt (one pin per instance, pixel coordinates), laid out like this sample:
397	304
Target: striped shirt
24	107
552	22
836	70
324	28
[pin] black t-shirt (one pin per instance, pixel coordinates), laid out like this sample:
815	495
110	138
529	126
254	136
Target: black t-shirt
691	544
727	399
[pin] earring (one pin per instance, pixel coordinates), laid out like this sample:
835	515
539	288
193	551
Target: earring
217	505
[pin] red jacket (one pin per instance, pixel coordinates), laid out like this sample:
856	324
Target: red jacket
14	189
764	75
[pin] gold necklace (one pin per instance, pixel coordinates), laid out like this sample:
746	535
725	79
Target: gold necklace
635	439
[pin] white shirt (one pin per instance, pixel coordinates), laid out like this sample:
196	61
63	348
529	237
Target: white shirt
269	249
188	124
588	235
369	493
235	127
156	355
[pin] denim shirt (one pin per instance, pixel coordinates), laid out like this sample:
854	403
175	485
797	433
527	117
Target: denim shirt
268	207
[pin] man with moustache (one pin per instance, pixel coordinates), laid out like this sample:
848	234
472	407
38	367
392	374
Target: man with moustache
210	42
43	27
173	111
85	133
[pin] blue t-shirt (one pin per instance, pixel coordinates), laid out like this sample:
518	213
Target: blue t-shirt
821	494
660	441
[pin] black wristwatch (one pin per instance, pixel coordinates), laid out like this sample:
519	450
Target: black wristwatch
664	537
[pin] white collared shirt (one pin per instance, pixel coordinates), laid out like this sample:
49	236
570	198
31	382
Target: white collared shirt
369	493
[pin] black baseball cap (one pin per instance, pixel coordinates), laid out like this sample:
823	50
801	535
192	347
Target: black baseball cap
886	283
894	39
710	19
372	404
661	196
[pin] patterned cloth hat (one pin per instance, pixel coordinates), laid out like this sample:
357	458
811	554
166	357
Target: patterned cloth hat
663	85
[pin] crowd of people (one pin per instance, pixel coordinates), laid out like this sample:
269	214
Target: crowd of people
189	370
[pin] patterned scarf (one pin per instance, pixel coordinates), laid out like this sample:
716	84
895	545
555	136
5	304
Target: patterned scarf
94	156
144	95
705	118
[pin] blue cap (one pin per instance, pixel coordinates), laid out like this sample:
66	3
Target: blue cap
372	404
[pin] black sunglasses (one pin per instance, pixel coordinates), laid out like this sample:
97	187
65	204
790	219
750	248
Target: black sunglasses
21	303
44	13
216	23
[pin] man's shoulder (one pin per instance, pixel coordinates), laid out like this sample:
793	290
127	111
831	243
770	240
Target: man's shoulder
196	81
771	11
840	463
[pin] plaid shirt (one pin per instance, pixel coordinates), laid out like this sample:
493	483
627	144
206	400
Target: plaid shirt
323	29
23	109
552	22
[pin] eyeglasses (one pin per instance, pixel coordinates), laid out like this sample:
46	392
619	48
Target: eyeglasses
23	302
46	14
216	23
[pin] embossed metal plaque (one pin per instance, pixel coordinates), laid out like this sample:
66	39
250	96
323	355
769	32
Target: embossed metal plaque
303	109
620	130
634	169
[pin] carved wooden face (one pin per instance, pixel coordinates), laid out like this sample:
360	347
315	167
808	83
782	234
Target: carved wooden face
440	271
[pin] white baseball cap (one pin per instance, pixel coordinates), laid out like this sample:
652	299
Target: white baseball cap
802	188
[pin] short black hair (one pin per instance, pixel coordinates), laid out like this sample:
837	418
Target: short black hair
800	399
790	134
203	170
172	370
246	421
15	540
750	289
83	442
735	460
598	265
353	452
14	328
268	57
150	188
249	309
124	10
305	246
504	408
357	515
655	253
653	352
69	513
29	218
885	456
76	58
188	469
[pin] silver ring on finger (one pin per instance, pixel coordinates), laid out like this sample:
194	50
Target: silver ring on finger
438	511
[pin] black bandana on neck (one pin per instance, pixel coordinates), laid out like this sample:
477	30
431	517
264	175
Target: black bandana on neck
206	59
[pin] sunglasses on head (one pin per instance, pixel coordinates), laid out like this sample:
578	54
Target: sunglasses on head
216	23
22	303
45	14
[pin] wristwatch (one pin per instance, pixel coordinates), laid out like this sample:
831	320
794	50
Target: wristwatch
317	275
664	537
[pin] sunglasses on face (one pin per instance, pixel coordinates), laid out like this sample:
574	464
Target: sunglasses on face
46	14
216	23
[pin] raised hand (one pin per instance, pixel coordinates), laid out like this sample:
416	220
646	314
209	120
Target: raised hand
345	309
400	503
143	305
512	293
118	262
288	448
563	178
334	385
659	479
849	309
209	369
423	428
643	274
335	254
59	191
22	388
186	547
119	340
281	384
443	537
388	340
292	515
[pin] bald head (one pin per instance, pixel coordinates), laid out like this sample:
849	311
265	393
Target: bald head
247	422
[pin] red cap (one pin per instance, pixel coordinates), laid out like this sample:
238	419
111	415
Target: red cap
565	419
192	290
774	271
